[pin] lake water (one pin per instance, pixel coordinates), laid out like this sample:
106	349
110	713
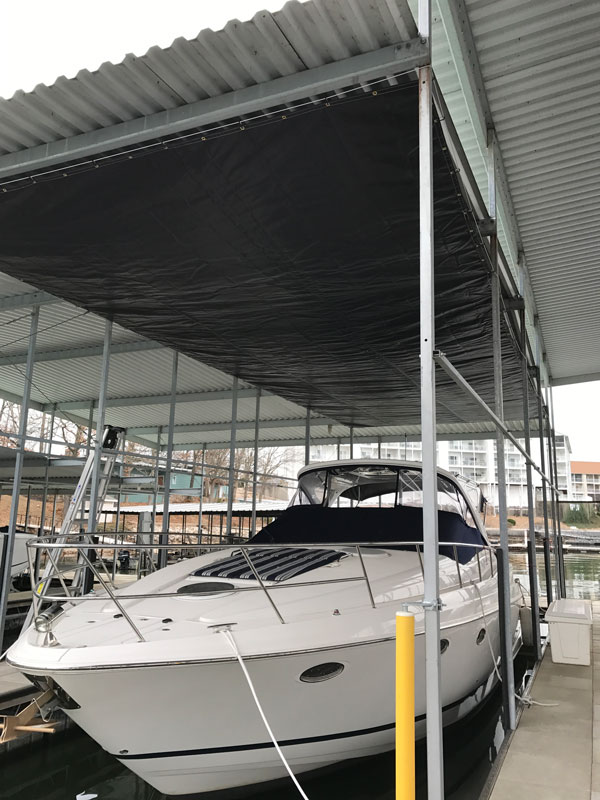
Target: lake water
71	764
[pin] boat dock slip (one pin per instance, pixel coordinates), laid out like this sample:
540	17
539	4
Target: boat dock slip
555	752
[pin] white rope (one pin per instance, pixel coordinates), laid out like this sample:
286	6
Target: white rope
526	699
229	636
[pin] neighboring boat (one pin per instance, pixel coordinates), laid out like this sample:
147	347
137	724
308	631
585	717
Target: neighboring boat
314	624
19	563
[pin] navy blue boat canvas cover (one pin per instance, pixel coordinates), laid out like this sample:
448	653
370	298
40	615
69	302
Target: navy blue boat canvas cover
285	253
321	524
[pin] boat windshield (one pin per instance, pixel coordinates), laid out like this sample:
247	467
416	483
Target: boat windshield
375	486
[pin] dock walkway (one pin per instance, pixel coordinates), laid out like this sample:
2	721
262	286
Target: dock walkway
555	752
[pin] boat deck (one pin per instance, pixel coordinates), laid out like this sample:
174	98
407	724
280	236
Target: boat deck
555	752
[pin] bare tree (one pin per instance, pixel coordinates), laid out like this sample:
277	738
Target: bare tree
271	462
73	435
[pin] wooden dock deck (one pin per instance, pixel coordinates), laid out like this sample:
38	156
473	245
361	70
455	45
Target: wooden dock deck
555	752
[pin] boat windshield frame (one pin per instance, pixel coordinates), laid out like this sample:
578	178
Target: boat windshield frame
379	485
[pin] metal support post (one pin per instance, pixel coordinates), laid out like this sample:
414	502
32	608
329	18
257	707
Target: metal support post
431	599
6	554
51	434
553	504
53	520
532	561
93	510
117	521
560	553
88	440
379	457
163	539
502	572
231	480
255	462
48	449
200	499
507	655
307	438
27	508
156	478
351	441
547	562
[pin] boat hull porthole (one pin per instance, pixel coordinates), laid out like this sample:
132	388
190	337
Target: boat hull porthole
322	672
444	645
480	636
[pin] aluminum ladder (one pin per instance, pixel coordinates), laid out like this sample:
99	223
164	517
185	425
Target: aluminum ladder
112	440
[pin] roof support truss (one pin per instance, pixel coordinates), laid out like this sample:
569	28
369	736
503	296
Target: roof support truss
158	399
215	427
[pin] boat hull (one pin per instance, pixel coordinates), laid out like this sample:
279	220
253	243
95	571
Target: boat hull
193	728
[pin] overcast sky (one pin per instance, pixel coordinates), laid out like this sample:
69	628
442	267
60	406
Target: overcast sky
39	41
577	413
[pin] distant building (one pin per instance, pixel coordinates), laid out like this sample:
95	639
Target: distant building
585	480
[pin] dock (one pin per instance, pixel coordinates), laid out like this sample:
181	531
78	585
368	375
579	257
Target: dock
555	752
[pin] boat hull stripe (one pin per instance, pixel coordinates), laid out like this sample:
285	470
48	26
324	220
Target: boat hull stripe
235	748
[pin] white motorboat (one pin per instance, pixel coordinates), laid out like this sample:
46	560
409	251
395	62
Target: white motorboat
310	610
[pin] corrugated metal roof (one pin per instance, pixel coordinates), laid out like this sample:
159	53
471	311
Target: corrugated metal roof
298	37
544	95
539	64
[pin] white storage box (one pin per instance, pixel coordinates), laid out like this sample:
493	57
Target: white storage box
570	624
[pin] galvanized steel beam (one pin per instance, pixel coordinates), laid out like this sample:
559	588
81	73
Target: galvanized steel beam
80	352
512	432
162	399
28	299
349	72
215	427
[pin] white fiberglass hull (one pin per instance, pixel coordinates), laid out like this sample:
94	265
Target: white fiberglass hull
196	728
180	714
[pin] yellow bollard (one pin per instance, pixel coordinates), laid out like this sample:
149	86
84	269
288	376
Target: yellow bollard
405	706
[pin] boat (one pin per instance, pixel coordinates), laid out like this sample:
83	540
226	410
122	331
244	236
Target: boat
303	614
19	563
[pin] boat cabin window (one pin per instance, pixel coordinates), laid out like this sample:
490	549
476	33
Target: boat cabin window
376	486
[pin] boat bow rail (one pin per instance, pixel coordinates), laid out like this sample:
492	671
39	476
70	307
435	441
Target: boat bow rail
75	555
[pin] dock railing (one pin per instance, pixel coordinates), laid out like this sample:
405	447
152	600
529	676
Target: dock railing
63	560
